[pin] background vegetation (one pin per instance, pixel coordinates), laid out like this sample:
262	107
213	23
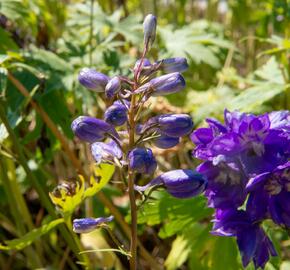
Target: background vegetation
239	53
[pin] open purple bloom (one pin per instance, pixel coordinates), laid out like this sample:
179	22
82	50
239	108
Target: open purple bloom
280	120
86	225
179	183
142	160
245	139
113	87
106	152
170	65
116	114
275	187
91	129
252	241
93	80
226	186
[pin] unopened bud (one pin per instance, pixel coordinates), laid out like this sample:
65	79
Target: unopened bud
93	80
86	225
149	26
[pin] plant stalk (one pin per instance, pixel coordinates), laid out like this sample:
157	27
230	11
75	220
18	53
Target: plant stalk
133	245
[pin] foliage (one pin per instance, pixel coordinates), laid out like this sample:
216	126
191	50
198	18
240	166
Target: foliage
239	59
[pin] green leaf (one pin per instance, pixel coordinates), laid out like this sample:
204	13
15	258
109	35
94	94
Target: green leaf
270	72
27	239
253	97
49	59
7	42
66	197
176	214
178	253
102	175
225	254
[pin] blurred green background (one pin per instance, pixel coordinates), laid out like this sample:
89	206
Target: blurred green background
239	56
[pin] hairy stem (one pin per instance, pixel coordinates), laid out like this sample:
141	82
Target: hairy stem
133	246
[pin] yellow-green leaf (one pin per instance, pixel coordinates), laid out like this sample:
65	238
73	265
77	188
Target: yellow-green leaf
102	175
27	239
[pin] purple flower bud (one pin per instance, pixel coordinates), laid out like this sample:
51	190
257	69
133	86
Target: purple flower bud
93	80
86	225
106	152
142	160
91	129
113	87
146	63
174	125
116	114
166	142
169	65
149	27
179	183
164	85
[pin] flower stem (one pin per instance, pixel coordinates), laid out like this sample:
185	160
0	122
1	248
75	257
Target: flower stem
133	245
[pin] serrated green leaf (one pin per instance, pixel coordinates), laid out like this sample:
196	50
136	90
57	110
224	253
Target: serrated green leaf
27	239
67	197
102	175
50	59
251	98
176	214
270	72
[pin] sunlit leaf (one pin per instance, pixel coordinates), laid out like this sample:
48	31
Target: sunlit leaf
102	175
68	196
178	253
175	214
27	239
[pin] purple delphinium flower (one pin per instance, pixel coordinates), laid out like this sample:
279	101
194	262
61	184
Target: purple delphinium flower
169	65
116	114
86	225
226	186
280	120
142	160
93	80
275	187
106	152
91	129
245	162
113	87
252	241
179	183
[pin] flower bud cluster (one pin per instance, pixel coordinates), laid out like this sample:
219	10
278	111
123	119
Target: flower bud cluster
109	137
